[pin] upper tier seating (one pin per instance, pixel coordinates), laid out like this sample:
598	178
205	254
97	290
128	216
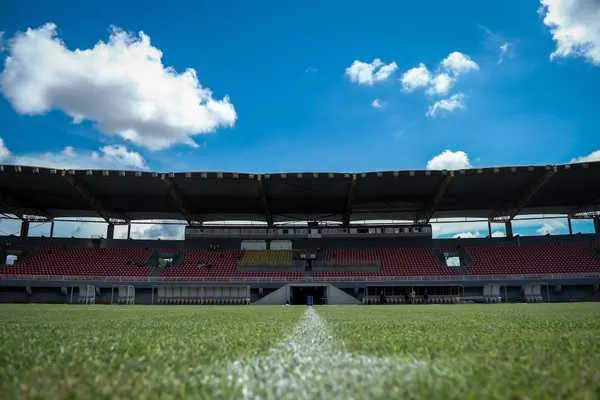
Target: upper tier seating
219	264
547	258
83	261
399	261
267	257
167	250
347	257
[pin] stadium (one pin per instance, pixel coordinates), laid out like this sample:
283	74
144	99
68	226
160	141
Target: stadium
311	247
276	200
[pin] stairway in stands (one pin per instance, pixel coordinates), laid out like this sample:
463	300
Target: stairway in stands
308	276
465	263
153	263
155	269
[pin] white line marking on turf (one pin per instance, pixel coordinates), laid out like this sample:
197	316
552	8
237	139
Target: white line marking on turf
310	364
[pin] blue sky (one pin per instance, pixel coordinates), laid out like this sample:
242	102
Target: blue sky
283	94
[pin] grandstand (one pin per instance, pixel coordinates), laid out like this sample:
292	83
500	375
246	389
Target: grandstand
267	257
83	262
310	242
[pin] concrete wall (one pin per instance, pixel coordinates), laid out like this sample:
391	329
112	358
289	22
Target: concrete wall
337	296
280	296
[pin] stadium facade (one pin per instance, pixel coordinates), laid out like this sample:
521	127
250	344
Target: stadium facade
309	245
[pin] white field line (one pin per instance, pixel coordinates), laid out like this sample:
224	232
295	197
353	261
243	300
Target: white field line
310	364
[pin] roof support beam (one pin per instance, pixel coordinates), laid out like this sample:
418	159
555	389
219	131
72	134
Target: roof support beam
24	228
110	231
177	198
92	201
532	190
527	194
508	228
264	200
349	198
427	213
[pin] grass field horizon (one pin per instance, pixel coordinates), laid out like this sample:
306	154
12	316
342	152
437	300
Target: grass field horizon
429	351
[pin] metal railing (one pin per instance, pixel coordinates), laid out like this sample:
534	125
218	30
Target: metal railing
370	279
502	277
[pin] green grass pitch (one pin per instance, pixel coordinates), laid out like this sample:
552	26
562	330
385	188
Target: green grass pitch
520	351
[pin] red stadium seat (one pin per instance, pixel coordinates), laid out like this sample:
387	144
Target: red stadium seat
552	257
398	261
220	264
547	258
84	262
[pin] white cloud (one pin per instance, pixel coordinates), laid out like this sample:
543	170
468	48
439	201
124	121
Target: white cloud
385	71
369	73
5	153
467	235
503	50
157	230
449	160
416	78
467	226
498	43
593	156
458	63
575	27
1	41
450	228
107	157
464	230
121	84
81	230
452	103
551	227
377	104
539	225
545	229
440	84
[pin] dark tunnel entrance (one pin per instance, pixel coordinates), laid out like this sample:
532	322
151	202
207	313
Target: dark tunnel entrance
300	294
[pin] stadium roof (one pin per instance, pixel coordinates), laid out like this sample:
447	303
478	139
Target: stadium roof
212	196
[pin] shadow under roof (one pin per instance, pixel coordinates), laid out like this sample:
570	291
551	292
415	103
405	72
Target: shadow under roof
202	196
